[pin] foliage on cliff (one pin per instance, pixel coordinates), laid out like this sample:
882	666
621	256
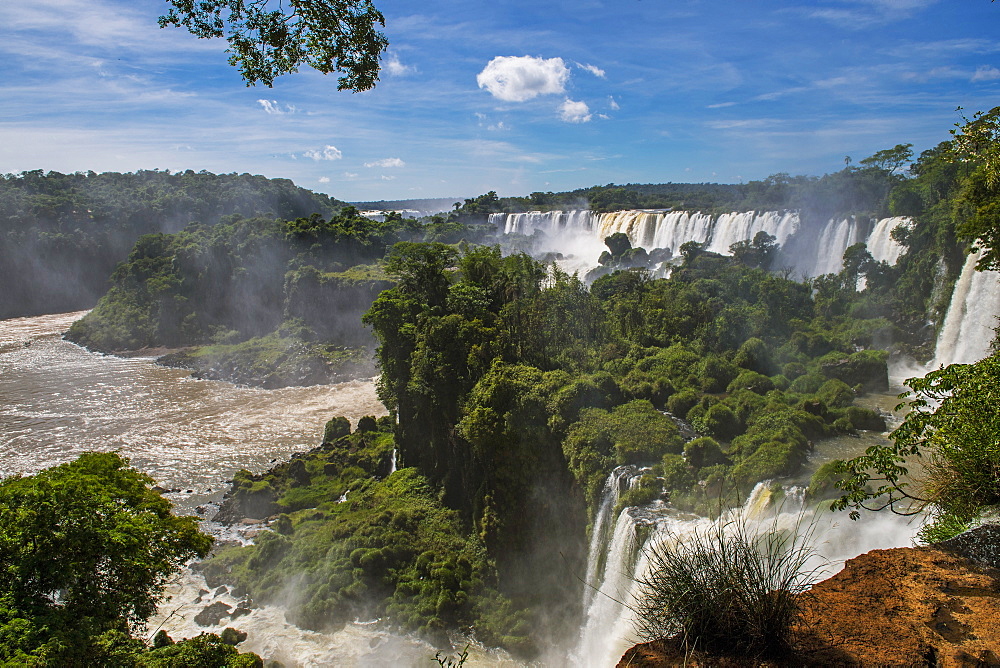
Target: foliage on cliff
360	542
61	235
517	390
289	293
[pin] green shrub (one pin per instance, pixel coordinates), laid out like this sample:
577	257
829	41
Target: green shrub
836	393
335	428
755	356
716	373
680	403
721	422
703	451
753	381
865	418
808	383
793	370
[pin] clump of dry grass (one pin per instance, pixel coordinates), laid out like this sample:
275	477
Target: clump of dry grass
726	589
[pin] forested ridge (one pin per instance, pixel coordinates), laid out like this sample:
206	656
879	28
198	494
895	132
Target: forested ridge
61	235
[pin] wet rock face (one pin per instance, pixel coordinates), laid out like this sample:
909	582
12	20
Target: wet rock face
980	545
899	607
212	614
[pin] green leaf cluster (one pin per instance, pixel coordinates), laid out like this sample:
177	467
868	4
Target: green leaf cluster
953	427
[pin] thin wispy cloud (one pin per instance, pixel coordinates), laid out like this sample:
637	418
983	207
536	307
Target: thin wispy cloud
272	108
386	162
986	73
861	14
328	152
593	69
396	68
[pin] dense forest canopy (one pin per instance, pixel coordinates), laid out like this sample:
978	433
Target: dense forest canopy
61	235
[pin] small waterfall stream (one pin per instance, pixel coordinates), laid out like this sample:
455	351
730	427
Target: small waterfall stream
621	476
967	333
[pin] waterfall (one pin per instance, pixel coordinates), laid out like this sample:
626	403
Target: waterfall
967	333
732	227
608	629
607	603
395	461
810	250
621	476
881	245
550	222
837	236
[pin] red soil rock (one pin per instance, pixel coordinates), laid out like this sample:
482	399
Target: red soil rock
899	607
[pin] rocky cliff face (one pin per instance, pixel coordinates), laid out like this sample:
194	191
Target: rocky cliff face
927	606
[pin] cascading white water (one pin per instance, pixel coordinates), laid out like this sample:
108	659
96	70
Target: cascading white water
880	243
814	250
607	602
602	525
967	333
608	630
732	227
835	238
547	221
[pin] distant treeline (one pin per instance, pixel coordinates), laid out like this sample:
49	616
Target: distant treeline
432	204
61	235
862	189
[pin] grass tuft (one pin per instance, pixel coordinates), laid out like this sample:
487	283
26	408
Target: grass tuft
726	589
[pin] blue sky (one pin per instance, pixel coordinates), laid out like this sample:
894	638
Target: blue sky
642	91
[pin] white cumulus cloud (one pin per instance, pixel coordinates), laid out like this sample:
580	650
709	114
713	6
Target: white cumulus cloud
326	153
324	179
397	68
572	111
613	103
386	162
521	78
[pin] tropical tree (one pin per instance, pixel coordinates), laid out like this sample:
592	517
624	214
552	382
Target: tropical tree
85	549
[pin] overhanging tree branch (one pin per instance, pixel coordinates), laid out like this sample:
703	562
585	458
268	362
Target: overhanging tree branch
266	39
